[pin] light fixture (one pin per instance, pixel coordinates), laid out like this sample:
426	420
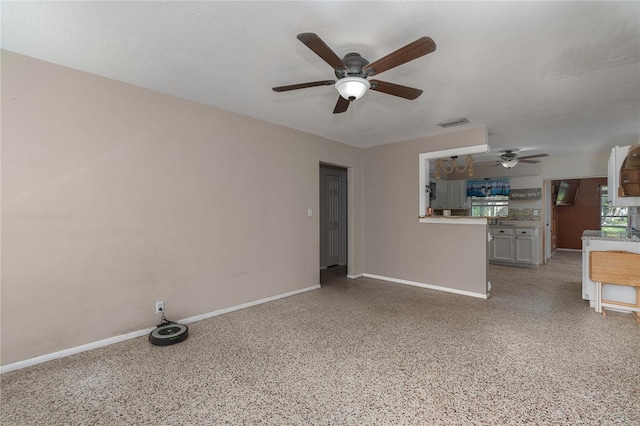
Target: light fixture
352	88
509	163
448	165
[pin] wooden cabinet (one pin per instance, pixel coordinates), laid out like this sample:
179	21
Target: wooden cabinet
516	246
617	157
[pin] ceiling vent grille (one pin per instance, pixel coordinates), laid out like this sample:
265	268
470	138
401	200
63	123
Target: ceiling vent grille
454	122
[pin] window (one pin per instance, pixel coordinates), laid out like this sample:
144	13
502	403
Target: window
494	206
612	219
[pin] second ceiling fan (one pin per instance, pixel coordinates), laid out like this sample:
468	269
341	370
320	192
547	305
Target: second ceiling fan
510	158
353	70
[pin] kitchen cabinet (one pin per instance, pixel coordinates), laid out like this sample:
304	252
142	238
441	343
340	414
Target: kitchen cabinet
449	194
440	200
525	245
456	194
501	245
617	157
514	246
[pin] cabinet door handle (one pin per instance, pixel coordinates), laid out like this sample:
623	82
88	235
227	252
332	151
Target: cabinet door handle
523	232
501	232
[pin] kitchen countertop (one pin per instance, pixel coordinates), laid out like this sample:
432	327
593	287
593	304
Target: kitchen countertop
609	236
454	220
475	220
518	223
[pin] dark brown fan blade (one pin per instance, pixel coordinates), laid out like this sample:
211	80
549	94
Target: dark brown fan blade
411	51
533	156
520	160
341	106
320	48
395	89
304	85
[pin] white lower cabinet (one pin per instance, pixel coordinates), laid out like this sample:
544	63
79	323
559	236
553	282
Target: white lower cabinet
501	245
517	246
526	247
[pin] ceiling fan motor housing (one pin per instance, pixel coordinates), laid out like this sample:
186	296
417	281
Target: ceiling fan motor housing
354	64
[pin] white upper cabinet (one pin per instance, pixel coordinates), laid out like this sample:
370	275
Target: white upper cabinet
456	194
449	194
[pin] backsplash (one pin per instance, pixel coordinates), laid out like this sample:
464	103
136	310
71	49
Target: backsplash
523	214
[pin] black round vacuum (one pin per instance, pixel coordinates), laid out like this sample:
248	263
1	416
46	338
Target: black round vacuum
168	333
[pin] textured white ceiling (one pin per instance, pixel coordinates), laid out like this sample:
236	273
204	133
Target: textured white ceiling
556	77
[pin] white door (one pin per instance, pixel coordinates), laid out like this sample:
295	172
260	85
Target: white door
333	219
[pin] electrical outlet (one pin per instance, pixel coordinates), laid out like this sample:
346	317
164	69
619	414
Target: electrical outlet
159	307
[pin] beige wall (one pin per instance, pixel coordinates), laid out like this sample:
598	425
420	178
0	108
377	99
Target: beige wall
115	197
396	245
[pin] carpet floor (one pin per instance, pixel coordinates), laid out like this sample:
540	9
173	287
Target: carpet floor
362	352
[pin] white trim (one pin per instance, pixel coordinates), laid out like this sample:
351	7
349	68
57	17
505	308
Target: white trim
429	286
568	249
353	277
454	220
75	350
322	268
121	338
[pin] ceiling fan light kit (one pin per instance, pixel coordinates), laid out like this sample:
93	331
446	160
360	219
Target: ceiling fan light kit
352	88
353	70
509	163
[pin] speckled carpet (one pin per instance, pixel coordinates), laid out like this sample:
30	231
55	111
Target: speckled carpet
362	352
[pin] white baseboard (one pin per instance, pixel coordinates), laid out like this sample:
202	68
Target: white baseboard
246	305
322	268
568	249
429	286
353	277
121	338
75	350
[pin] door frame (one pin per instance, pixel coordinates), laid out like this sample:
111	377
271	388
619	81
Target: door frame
346	214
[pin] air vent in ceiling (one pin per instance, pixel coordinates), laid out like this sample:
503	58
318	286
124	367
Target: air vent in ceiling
454	122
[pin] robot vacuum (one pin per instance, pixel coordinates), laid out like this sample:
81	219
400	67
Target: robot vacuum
168	333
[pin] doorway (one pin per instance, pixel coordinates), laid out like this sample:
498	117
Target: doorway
333	217
571	206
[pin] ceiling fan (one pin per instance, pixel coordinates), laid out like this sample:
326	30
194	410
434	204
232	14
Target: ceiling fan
510	158
353	70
